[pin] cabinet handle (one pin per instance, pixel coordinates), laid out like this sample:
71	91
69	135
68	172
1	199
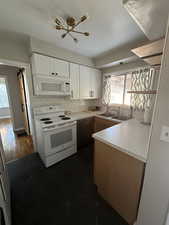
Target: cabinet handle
53	73
90	93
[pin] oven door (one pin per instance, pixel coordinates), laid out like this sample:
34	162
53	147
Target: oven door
58	138
51	86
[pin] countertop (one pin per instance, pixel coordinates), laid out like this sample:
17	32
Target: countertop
130	137
84	114
88	114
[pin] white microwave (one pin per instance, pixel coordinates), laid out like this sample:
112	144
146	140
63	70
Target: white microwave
51	86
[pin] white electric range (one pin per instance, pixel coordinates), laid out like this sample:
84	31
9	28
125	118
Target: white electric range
55	134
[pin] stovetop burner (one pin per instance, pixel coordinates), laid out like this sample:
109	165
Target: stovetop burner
66	118
48	122
62	116
45	119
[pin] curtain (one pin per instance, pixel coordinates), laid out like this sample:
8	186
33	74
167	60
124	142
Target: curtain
142	80
106	90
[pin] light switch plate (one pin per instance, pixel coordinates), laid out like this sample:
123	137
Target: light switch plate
164	134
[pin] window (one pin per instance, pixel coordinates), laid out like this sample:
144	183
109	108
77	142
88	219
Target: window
3	94
120	85
117	89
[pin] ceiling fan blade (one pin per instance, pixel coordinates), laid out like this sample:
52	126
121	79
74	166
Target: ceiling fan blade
74	39
58	22
86	34
83	18
79	32
64	35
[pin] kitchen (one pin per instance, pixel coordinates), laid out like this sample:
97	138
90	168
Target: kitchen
92	126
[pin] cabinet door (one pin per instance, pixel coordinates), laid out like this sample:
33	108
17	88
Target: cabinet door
59	68
96	83
85	85
101	124
84	132
118	177
41	64
74	80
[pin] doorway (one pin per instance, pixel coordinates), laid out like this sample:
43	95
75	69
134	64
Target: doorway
14	119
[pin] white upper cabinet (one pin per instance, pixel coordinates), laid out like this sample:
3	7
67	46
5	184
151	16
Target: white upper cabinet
41	65
95	83
85	90
59	68
48	66
90	83
85	81
74	80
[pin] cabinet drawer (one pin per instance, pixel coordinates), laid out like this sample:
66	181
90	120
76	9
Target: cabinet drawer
101	124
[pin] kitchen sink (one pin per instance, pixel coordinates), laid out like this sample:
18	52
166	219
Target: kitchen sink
110	116
106	115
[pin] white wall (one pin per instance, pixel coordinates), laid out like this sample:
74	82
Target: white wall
167	221
5	113
11	74
123	53
155	195
116	70
17	47
14	47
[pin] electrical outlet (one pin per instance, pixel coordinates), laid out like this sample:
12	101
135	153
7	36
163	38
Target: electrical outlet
164	134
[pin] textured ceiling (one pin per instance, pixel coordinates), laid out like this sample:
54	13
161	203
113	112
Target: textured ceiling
109	23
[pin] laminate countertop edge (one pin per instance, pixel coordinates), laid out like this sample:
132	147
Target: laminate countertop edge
130	137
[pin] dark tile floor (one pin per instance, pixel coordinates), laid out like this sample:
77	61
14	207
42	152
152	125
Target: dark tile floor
63	194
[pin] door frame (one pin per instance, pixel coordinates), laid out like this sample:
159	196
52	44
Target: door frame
21	74
26	73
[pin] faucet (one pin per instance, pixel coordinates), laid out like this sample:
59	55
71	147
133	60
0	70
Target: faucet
117	110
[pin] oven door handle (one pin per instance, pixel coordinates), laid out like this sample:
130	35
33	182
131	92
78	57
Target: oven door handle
60	126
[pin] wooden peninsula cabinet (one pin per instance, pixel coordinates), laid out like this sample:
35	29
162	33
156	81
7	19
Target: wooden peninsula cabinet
119	178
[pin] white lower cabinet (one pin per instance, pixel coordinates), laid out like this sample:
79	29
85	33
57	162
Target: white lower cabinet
90	83
74	80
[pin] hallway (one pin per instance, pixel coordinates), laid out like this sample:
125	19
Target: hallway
14	146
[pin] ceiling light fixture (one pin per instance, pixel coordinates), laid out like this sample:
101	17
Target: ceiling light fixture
70	26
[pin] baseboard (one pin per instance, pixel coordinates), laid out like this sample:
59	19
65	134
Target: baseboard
5	117
19	129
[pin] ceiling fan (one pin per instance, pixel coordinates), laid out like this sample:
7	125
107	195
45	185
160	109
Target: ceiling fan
70	27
